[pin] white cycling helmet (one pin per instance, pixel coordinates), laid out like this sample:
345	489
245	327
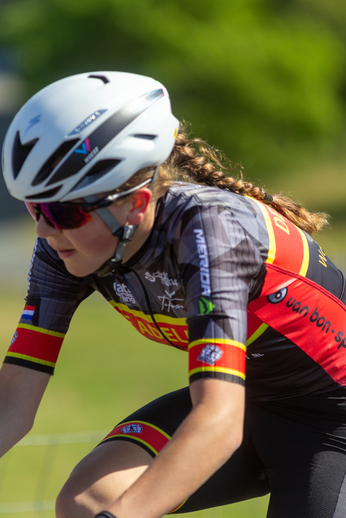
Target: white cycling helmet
87	134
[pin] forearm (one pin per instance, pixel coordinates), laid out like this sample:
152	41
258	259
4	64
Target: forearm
21	390
12	430
205	440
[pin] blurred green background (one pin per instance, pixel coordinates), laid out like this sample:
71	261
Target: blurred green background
263	80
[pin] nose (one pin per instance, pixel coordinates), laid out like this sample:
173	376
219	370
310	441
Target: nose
44	230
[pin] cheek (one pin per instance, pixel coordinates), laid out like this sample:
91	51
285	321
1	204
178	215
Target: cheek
99	245
93	239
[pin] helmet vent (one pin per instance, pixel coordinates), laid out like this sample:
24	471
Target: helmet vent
45	195
20	153
53	161
145	136
97	171
102	78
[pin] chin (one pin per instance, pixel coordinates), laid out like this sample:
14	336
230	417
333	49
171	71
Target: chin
79	271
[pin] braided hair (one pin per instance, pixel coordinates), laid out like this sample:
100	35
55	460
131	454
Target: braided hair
192	159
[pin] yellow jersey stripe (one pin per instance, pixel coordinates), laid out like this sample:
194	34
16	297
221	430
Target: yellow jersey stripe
41	330
257	334
306	254
225	341
31	359
233	372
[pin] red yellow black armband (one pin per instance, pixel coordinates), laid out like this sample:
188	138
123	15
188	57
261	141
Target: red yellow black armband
35	348
217	358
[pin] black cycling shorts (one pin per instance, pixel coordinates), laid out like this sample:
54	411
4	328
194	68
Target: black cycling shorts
301	462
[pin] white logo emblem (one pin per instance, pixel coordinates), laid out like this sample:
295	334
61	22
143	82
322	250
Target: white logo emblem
168	302
163	276
210	354
132	428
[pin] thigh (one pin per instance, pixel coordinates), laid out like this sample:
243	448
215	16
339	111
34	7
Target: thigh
242	477
131	446
305	465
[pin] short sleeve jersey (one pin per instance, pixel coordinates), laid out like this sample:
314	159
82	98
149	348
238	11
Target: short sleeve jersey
222	276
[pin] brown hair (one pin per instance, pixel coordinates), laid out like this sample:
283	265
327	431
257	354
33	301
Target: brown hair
193	160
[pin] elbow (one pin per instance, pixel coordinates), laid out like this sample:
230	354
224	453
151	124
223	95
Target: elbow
24	426
238	439
233	441
27	427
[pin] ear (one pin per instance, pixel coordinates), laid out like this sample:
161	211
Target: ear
139	202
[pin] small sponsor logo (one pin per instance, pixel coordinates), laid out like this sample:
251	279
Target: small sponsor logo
84	149
124	293
92	154
86	122
203	261
205	306
168	301
278	296
132	428
163	276
254	355
210	354
33	122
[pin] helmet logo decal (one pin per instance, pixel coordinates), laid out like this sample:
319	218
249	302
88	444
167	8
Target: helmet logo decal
102	135
86	122
84	149
32	123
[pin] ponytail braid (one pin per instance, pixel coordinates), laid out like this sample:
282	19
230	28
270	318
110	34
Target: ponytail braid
194	160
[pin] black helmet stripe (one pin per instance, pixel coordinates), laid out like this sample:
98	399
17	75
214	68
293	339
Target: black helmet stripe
97	140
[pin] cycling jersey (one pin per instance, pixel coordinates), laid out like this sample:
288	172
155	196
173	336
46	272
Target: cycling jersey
222	276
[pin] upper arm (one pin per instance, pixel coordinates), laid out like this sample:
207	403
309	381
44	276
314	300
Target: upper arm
218	263
223	406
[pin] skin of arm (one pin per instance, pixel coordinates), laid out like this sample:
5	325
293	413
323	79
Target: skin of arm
202	444
21	391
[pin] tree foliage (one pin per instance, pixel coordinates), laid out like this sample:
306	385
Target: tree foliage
261	79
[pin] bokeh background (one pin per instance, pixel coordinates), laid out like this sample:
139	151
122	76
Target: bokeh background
263	80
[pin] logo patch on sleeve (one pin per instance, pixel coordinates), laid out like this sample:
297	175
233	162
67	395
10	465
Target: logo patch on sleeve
205	306
132	428
210	354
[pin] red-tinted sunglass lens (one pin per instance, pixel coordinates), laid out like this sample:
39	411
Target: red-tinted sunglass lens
61	216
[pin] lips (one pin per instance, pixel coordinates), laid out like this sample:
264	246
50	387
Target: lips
63	254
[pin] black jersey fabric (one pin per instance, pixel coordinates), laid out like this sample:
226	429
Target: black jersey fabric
255	301
223	276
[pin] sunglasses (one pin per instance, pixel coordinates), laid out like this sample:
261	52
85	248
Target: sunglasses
60	215
65	215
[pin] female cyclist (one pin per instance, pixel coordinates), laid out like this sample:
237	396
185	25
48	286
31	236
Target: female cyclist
126	205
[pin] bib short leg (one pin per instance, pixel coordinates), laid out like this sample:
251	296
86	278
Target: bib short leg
302	466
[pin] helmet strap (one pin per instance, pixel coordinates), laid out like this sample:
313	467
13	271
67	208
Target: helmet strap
124	233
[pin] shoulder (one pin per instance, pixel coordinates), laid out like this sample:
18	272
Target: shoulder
189	204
